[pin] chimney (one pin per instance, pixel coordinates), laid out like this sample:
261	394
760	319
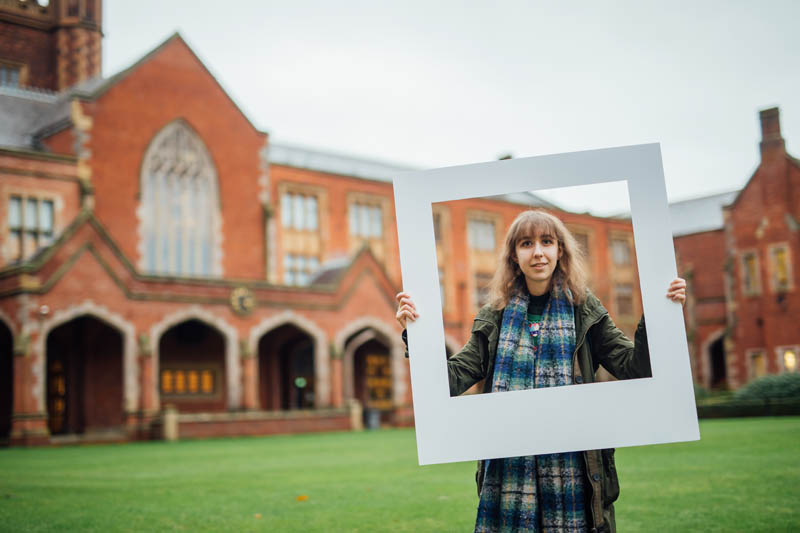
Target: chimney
771	130
78	41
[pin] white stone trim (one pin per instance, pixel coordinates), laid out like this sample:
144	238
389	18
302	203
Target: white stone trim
322	359
389	336
233	363
130	370
265	197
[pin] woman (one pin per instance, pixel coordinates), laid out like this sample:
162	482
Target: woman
544	328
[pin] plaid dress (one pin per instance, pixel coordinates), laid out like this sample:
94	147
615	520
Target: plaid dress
542	492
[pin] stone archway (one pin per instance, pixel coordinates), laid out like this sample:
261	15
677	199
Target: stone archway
286	370
192	367
130	370
233	366
84	377
321	356
366	329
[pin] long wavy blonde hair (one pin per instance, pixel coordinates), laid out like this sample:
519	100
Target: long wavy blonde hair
571	267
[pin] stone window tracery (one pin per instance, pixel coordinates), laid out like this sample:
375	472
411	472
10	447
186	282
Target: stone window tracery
180	218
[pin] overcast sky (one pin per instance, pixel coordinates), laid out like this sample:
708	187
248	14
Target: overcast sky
432	84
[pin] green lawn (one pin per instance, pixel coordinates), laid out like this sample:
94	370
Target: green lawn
742	476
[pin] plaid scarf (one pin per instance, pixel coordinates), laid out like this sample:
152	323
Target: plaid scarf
541	492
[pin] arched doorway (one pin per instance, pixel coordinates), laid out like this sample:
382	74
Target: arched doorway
84	381
286	369
192	368
718	378
6	380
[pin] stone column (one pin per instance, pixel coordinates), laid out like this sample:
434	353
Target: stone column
147	385
29	414
337	379
249	377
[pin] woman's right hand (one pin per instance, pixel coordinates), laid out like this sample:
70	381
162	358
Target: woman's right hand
406	310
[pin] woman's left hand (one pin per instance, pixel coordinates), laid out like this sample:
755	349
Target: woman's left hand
677	290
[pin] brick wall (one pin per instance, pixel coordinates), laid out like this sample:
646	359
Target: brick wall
701	261
759	219
33	48
172	85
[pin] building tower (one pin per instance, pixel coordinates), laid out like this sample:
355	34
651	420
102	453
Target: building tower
49	44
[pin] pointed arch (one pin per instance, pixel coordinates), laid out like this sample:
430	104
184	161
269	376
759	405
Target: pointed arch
233	364
130	370
322	362
706	355
179	214
386	334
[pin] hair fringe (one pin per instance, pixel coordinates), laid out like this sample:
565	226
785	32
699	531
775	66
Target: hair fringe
571	267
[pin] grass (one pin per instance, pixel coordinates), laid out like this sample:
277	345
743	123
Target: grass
742	476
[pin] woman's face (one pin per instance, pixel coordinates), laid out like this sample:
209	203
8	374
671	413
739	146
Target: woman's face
537	257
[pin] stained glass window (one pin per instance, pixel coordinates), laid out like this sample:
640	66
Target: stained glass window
180	211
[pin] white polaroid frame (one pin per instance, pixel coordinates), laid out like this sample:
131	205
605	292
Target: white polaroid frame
580	417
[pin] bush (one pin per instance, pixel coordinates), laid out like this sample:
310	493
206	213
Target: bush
700	392
775	387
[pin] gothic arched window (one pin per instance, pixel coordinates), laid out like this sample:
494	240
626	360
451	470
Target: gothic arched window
179	215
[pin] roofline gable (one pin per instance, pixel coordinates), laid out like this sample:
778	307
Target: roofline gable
109	83
127	277
789	158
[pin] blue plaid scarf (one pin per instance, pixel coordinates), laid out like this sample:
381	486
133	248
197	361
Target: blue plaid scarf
541	492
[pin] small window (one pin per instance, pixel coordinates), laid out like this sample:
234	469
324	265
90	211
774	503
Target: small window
30	225
299	211
166	381
299	269
620	252
750	273
481	235
188	382
9	75
758	364
583	242
366	221
207	382
788	356
780	267
623	294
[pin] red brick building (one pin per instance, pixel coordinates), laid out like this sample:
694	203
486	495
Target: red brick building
157	249
736	250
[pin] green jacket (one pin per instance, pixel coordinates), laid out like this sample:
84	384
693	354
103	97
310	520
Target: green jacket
597	342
